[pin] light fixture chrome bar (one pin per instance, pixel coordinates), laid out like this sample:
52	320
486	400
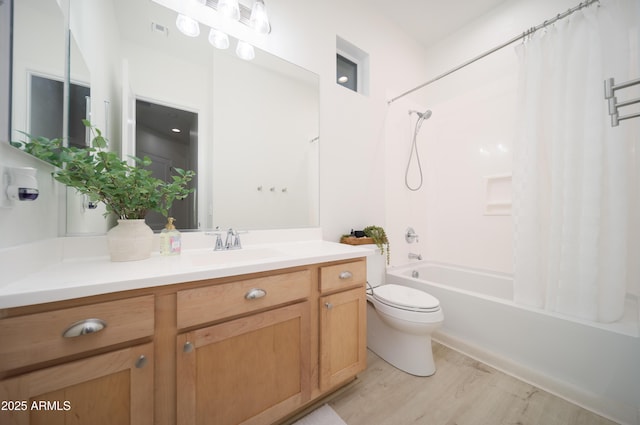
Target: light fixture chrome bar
245	12
525	34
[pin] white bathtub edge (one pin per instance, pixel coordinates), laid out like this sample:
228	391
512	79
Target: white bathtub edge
610	409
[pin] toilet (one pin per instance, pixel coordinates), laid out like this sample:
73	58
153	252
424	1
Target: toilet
400	322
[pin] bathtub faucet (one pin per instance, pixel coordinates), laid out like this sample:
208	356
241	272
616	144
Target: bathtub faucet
413	256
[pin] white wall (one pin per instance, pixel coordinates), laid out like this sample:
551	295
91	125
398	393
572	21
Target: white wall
42	54
35	220
260	151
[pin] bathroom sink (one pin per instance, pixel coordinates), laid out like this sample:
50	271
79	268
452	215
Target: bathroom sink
210	257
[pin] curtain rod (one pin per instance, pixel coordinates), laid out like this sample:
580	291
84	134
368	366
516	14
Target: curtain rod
503	45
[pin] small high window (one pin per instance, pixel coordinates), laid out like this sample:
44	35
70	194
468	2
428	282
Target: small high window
346	73
352	67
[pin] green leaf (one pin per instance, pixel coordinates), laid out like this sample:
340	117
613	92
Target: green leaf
128	191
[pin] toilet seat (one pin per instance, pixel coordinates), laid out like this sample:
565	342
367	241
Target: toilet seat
406	298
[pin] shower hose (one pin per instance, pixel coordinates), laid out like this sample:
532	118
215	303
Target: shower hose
414	148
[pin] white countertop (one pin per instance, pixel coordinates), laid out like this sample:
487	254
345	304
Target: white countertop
85	276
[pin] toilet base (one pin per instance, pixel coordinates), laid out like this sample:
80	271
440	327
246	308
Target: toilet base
408	352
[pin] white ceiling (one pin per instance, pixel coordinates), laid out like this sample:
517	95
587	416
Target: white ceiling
431	20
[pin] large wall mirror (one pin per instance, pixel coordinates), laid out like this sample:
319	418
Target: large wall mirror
248	128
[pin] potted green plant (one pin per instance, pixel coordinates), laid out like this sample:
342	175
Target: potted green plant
379	237
375	234
127	191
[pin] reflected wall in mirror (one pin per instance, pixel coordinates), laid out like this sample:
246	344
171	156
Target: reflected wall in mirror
38	68
5	68
255	138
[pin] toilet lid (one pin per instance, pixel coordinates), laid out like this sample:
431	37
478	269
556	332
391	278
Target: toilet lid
406	298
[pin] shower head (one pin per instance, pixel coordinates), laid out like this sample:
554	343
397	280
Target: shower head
422	115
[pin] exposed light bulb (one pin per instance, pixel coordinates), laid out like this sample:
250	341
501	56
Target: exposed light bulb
218	39
245	50
188	26
229	8
259	20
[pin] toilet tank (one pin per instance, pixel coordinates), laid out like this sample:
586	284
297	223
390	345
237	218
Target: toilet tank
376	266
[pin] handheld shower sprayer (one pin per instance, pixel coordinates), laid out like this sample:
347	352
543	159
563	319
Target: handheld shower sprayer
422	115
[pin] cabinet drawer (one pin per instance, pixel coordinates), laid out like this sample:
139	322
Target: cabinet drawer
343	276
38	337
216	302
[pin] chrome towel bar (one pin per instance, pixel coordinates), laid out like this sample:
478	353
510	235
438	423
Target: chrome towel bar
610	88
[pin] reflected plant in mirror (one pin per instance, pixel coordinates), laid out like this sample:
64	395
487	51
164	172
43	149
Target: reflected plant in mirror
128	191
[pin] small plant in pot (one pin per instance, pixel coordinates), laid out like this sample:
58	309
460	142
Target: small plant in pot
128	191
379	237
375	233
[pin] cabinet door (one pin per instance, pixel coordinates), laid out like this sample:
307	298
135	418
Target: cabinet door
343	330
252	370
112	388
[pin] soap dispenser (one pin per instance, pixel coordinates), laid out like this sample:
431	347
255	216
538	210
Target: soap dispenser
170	240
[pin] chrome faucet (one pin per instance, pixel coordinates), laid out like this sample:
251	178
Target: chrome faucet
232	240
413	256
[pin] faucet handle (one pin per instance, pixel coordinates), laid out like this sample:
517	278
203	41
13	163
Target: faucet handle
237	244
218	246
410	235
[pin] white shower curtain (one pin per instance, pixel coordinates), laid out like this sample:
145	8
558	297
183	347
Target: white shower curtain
572	174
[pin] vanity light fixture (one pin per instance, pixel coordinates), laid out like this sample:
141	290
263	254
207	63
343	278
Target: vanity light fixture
218	39
255	18
245	50
176	130
230	9
259	20
188	26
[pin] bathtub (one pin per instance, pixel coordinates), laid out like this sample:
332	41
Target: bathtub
593	365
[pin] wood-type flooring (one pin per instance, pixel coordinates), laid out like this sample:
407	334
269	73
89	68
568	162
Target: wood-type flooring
463	391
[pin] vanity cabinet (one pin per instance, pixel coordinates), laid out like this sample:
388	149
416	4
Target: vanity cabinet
247	349
116	387
251	369
84	365
342	307
254	369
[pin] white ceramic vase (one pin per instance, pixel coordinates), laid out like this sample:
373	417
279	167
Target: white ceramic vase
130	240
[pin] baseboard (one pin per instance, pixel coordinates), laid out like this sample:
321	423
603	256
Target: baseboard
613	410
